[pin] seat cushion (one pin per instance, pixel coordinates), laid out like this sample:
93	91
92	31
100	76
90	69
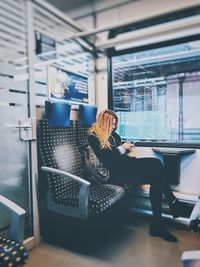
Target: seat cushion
101	197
12	253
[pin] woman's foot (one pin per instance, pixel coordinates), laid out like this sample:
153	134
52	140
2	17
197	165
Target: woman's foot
178	208
157	229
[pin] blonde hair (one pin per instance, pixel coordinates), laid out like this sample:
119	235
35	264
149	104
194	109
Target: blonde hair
103	127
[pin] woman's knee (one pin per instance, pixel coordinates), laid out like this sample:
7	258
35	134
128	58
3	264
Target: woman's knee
157	170
157	164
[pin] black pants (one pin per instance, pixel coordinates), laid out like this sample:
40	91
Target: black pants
140	171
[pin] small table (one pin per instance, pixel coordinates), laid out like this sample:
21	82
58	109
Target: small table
171	161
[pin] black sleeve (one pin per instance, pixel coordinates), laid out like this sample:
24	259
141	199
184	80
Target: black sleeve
105	155
117	137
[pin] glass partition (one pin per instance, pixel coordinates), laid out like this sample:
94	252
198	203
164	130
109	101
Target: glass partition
15	180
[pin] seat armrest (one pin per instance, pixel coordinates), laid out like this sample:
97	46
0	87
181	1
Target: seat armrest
84	190
67	174
17	218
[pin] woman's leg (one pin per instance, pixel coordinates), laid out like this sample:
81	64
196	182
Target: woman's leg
151	171
148	171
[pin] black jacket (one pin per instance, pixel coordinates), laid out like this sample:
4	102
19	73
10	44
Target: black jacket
110	157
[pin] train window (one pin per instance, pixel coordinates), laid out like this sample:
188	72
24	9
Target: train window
156	93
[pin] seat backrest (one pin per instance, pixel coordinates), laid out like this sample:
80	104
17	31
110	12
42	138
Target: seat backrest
81	134
58	149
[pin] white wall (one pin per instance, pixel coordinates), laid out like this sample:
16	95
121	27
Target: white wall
102	84
190	171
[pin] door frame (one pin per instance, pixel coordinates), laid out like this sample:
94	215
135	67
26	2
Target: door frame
35	239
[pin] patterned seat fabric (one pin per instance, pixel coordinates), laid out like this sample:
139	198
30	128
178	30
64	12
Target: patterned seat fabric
12	254
59	149
103	196
64	192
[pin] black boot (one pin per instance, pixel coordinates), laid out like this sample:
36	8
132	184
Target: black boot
157	229
178	208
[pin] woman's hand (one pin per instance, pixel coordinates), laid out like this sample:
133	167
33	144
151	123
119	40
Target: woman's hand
128	146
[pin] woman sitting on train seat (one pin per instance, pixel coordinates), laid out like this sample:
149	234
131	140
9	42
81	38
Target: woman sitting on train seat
107	146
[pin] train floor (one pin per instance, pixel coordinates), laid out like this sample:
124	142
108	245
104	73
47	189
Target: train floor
123	244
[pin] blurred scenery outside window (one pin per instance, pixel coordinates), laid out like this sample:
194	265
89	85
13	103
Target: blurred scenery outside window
156	93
